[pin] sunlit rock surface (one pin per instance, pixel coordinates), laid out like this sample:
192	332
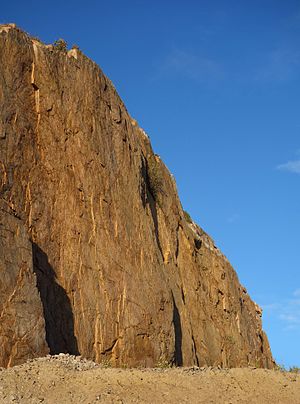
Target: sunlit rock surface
96	254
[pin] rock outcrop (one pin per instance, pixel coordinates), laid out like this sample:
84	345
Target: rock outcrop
96	254
22	325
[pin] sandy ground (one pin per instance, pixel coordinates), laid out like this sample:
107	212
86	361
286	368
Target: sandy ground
68	379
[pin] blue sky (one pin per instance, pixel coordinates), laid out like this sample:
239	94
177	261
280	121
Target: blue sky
216	85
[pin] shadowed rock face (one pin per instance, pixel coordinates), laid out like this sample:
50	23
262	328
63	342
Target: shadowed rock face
22	325
115	271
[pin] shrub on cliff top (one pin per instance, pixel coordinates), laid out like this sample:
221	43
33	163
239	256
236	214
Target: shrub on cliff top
294	369
60	45
187	216
155	177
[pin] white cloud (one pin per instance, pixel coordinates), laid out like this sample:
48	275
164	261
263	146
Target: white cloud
271	306
192	66
280	64
290	318
286	310
233	218
291	166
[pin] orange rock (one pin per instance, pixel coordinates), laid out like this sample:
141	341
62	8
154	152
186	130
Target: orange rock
122	275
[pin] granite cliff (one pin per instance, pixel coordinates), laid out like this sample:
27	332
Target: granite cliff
96	254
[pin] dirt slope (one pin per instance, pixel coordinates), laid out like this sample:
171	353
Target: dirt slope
66	379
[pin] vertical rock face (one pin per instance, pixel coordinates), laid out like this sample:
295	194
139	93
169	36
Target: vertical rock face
22	325
119	273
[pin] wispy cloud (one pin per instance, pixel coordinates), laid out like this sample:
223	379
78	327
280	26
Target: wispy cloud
279	65
233	218
291	166
271	306
191	65
287	311
290	318
294	19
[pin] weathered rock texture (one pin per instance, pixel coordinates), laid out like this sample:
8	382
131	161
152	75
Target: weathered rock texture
22	325
122	275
